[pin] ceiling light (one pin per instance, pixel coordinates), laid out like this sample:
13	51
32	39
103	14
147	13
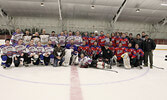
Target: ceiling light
163	4
138	10
92	6
96	31
42	4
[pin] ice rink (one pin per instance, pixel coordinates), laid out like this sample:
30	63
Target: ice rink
73	83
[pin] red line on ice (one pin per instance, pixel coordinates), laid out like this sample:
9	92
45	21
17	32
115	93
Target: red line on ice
75	91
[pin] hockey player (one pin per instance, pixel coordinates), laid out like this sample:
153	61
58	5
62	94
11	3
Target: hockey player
83	49
27	37
20	51
132	54
7	54
107	41
59	53
118	52
62	39
111	47
102	40
95	51
117	39
77	39
44	37
53	38
48	54
36	38
32	56
86	38
139	55
69	38
74	54
84	61
113	39
92	39
40	52
16	36
124	40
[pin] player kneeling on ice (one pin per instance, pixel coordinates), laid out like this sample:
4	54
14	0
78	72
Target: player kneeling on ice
84	61
139	56
20	53
118	52
132	54
95	53
40	52
32	56
59	53
107	57
48	54
7	54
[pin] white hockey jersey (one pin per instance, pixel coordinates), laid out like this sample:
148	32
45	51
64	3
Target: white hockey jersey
54	39
68	39
62	40
78	40
8	50
31	49
44	39
40	49
26	39
48	49
19	49
85	60
16	37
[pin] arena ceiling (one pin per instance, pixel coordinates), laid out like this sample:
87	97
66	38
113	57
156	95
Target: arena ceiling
151	11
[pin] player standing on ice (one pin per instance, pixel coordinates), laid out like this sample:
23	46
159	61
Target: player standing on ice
7	54
86	38
69	38
36	38
92	39
124	40
16	36
62	39
53	38
27	37
44	37
77	39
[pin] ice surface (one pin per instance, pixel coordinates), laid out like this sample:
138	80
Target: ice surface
50	83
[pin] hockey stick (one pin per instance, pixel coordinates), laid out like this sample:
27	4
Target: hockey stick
159	67
109	70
